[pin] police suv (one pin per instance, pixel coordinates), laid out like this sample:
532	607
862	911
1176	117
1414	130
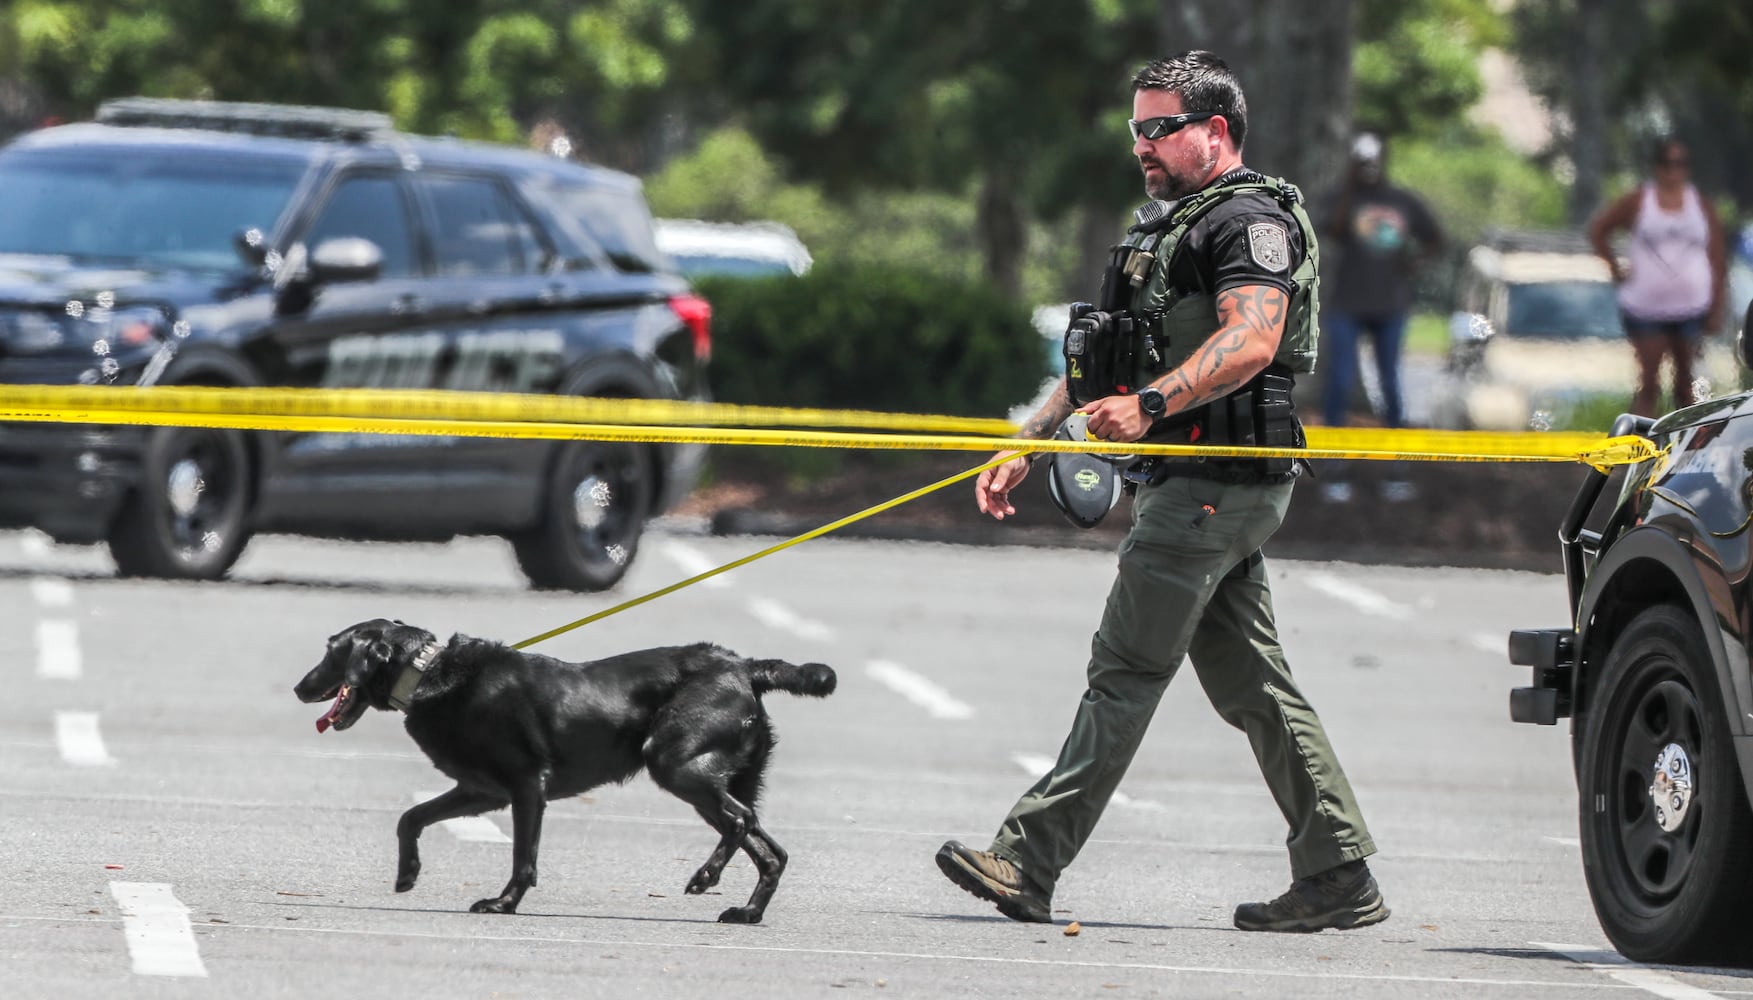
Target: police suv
203	243
1653	671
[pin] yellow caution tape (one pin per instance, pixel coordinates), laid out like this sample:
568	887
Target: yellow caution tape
457	405
1453	446
507	415
517	414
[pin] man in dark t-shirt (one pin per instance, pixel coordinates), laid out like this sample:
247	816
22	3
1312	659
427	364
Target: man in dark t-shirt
1375	237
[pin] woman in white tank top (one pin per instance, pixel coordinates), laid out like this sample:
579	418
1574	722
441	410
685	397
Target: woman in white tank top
1672	290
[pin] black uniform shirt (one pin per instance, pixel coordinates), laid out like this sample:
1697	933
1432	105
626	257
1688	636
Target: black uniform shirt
1248	239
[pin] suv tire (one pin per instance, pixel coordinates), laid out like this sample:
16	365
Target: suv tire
593	510
1670	877
189	516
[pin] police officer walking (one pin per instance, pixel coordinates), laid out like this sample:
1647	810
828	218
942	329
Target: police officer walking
1208	312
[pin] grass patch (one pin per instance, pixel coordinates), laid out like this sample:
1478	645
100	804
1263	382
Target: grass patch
1427	333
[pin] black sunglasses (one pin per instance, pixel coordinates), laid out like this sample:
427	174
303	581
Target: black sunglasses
1156	128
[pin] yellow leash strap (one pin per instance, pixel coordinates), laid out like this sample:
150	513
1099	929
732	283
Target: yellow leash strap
745	560
1615	451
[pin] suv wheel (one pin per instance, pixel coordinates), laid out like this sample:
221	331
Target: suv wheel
1667	834
597	497
188	517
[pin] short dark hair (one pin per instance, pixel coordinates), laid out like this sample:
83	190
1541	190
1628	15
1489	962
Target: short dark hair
1204	83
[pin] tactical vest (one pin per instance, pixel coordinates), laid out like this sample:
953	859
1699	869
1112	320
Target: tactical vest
1183	319
1167	324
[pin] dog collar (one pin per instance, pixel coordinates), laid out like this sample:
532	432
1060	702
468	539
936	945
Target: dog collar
411	676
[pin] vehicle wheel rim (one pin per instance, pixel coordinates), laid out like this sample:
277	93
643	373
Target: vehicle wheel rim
591	501
1653	807
201	489
608	488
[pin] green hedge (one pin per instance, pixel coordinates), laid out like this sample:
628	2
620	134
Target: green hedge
874	338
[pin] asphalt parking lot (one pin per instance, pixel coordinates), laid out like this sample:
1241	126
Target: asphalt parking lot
175	826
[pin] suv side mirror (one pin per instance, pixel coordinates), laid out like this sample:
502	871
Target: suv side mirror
1743	349
345	258
1468	334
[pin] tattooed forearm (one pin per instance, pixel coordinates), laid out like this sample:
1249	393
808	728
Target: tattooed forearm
1250	325
1051	414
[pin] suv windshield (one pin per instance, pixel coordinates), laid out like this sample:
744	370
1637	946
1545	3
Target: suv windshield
140	207
1563	310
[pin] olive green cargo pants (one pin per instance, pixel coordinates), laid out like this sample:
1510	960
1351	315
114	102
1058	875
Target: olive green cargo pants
1191	583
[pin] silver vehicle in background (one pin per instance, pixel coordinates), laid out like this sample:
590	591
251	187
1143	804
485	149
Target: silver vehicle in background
733	249
1536	330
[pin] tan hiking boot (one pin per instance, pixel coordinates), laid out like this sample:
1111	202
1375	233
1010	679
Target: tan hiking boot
996	880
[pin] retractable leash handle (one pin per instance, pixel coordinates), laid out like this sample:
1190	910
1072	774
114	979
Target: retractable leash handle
1084	486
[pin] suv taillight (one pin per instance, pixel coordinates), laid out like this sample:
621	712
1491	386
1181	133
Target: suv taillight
697	313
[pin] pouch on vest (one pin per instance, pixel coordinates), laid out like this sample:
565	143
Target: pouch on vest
1084	486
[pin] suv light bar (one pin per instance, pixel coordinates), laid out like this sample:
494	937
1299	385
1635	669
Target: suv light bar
285	121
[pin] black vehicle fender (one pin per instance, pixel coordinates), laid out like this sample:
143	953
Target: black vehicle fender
618	376
199	364
1645	566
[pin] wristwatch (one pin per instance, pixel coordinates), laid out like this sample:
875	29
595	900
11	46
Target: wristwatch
1151	401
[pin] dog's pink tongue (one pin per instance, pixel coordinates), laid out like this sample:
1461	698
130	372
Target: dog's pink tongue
328	718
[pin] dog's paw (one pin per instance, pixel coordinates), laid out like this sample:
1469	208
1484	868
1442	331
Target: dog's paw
494	905
407	876
740	915
702	881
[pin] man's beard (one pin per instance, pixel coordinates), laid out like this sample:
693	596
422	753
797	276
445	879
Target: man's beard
1177	185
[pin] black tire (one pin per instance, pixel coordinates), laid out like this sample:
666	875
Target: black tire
1669	876
593	511
188	517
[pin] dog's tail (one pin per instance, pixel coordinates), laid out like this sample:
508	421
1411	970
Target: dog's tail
814	679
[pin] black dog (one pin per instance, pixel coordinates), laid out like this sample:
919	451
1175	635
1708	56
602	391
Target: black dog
518	729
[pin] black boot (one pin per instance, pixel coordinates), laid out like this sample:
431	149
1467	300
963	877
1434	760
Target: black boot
1339	898
996	880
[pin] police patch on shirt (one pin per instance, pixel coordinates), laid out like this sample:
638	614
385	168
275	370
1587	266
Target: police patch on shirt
1269	245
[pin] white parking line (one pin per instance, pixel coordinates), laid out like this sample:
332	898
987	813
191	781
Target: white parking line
475	829
80	742
1361	598
1038	765
775	615
916	689
1623	969
1566	841
35	544
50	592
693	562
157	927
58	656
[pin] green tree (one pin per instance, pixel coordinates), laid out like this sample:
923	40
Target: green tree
1625	72
1019	103
476	68
1416	65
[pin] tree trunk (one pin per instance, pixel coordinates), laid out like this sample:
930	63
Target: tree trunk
1098	229
1588	111
1003	229
22	107
1294	62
